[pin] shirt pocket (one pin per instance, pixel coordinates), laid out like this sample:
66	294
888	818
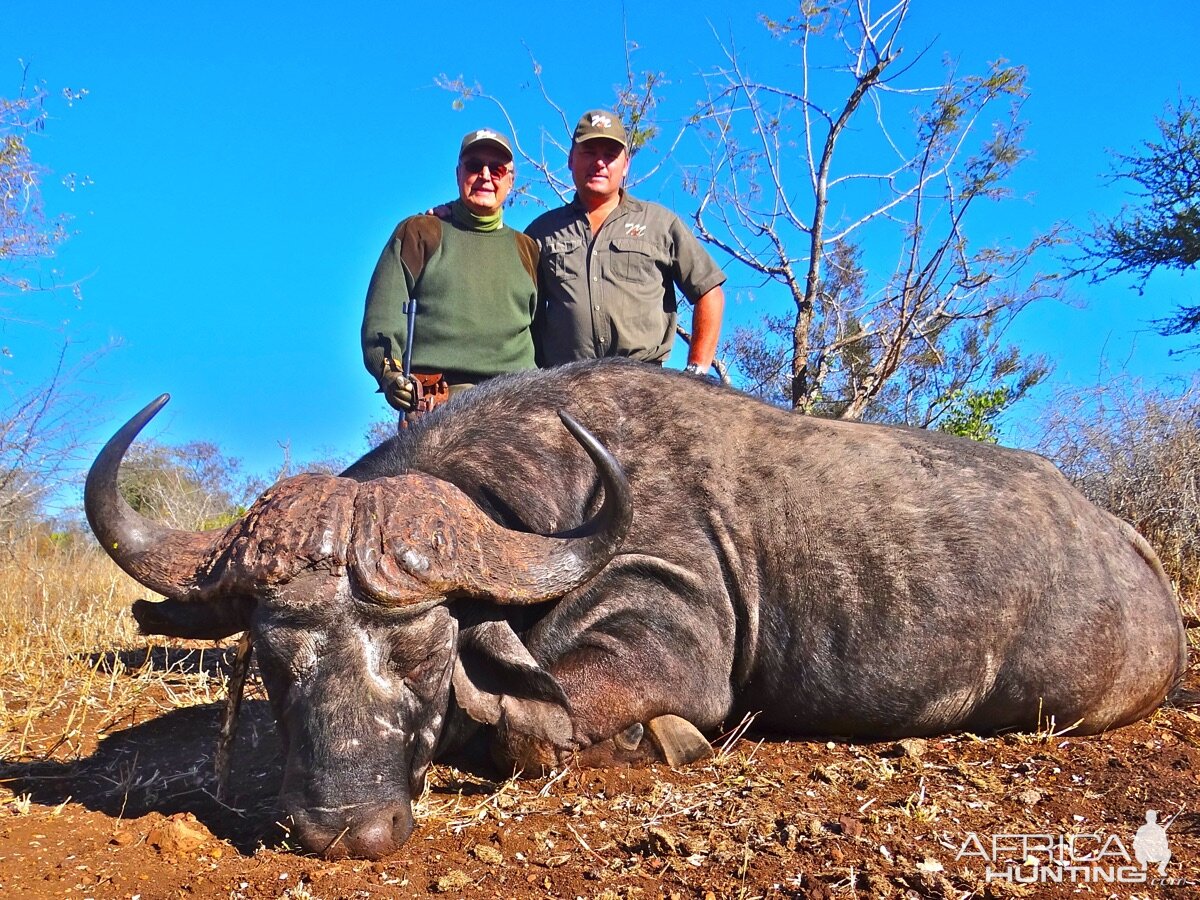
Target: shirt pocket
565	259
632	260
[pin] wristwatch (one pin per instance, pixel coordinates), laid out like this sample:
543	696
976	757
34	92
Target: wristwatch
697	369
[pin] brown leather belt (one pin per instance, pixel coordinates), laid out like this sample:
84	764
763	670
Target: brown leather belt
432	391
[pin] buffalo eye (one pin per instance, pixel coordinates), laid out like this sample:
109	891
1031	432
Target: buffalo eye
289	654
424	678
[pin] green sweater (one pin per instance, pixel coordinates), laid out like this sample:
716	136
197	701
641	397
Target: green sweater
476	293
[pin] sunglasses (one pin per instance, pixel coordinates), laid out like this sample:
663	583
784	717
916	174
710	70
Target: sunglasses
474	165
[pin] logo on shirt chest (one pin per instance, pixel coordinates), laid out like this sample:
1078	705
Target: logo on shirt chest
635	229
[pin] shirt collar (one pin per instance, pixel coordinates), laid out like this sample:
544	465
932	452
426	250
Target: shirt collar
626	201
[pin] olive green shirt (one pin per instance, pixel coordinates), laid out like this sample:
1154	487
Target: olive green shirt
476	296
613	293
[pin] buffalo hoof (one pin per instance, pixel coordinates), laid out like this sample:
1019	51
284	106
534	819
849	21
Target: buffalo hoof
678	740
672	739
631	738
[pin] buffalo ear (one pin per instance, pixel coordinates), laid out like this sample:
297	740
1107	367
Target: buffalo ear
208	620
498	682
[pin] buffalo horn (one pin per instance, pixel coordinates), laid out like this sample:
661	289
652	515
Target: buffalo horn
417	539
569	560
163	559
444	545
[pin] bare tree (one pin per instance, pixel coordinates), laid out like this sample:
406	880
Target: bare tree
636	101
38	443
901	333
26	234
799	177
40	418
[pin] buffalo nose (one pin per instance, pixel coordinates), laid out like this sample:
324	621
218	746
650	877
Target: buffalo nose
378	834
365	832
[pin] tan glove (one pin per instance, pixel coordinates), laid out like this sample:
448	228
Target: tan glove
399	390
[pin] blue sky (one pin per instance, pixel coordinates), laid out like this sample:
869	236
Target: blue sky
246	162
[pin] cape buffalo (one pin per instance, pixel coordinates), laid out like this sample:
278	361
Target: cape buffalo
703	556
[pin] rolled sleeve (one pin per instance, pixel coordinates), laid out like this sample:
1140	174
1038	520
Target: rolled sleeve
695	271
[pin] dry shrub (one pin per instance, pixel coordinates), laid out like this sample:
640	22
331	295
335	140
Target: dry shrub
59	595
1135	451
65	606
189	486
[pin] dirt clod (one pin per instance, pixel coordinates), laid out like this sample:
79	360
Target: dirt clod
181	833
911	748
453	882
487	853
1029	797
851	827
662	842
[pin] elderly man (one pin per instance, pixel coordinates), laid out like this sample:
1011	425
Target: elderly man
609	264
474	281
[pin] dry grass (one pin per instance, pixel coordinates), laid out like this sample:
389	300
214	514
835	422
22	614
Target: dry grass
66	609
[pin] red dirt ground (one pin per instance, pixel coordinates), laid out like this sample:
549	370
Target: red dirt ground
125	809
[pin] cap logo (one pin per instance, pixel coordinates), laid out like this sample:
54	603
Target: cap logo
484	133
601	121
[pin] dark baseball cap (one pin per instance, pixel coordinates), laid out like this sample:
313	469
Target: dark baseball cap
485	136
600	123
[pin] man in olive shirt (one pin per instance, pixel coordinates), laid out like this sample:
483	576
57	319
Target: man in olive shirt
475	282
609	265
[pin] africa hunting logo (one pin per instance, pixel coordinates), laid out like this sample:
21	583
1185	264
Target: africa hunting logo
1075	858
599	121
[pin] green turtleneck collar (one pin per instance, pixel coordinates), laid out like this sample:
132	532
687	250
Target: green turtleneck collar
467	219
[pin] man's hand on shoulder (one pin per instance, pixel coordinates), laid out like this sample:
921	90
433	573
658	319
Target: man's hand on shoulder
442	211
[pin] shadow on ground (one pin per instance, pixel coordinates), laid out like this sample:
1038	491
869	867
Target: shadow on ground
186	661
165	765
